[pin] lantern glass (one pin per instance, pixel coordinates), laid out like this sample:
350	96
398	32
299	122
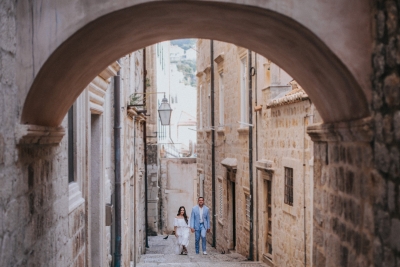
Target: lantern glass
164	111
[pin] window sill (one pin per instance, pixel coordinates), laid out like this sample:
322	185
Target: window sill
268	259
221	130
243	130
75	197
289	210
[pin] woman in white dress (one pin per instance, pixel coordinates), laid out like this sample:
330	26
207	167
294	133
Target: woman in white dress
182	231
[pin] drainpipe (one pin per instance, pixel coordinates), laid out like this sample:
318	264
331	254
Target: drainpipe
214	217
251	249
145	149
304	188
117	162
256	124
135	196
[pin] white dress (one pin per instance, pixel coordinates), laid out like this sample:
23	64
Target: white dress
183	232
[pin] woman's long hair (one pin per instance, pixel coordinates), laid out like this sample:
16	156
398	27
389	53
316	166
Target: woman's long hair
184	214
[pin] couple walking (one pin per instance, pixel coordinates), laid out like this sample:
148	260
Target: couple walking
199	223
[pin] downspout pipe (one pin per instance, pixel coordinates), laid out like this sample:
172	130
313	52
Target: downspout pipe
256	124
117	167
251	249
145	151
304	188
214	215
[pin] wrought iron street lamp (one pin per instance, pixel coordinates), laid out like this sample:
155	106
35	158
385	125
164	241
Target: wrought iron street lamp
164	111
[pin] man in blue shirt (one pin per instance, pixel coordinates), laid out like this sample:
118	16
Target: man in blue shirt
200	224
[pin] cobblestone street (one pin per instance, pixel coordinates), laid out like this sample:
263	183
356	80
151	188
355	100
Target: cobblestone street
161	253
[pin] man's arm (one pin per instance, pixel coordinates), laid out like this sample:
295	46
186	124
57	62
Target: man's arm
191	221
208	220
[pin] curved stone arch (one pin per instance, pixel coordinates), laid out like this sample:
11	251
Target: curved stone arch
328	81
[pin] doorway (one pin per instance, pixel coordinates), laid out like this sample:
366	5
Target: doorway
232	209
267	219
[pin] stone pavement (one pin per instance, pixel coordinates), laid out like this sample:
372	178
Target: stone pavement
161	253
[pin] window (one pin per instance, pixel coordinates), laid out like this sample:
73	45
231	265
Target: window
244	117
221	99
268	218
71	150
289	186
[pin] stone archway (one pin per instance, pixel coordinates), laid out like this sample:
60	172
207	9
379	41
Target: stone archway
319	66
324	50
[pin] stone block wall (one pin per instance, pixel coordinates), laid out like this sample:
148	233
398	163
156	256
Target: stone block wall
34	186
37	225
357	209
35	211
231	141
345	190
283	141
385	148
77	235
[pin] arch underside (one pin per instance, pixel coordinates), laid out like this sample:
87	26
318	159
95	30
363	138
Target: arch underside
327	81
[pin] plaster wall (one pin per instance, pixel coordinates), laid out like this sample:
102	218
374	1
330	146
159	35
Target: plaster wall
177	189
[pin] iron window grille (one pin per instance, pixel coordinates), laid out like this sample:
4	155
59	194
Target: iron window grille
289	186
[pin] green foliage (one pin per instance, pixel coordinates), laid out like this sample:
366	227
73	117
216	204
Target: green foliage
185	44
188	68
135	99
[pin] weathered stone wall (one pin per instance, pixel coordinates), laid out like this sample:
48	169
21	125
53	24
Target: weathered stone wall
283	141
153	207
279	136
386	143
231	140
34	228
39	227
345	187
132	147
357	167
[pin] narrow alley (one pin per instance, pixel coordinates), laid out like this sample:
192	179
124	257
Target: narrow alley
161	253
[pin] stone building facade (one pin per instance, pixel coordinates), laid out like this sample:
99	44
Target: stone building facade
70	197
93	162
282	155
